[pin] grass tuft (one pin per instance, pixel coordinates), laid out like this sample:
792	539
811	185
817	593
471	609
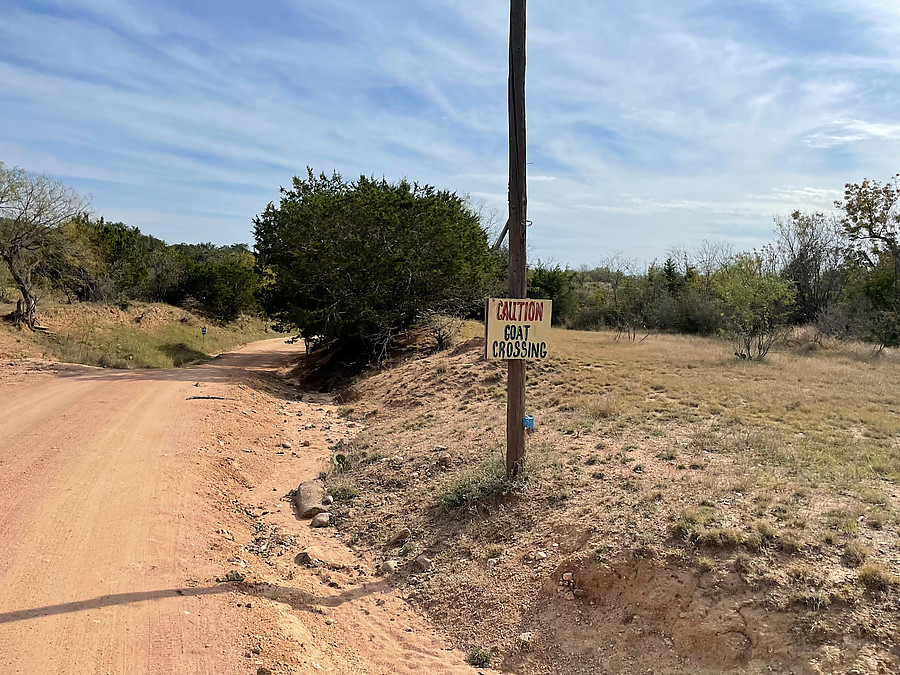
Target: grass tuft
877	577
855	553
486	481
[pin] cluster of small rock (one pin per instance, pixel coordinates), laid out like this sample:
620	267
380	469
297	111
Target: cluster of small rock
421	563
535	556
269	540
567	586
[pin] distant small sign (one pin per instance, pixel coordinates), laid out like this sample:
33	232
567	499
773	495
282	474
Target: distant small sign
203	330
517	329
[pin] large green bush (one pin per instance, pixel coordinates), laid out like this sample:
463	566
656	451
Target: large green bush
359	262
758	303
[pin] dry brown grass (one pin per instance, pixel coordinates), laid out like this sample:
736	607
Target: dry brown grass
671	450
143	335
830	416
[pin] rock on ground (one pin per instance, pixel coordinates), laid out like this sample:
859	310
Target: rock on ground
308	498
399	535
321	520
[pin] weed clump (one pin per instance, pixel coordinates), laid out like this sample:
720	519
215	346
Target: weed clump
705	565
344	493
876	577
348	456
720	537
855	553
815	599
488	480
699	526
693	518
480	657
762	536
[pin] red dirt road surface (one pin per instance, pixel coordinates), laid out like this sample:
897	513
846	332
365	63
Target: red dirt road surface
123	500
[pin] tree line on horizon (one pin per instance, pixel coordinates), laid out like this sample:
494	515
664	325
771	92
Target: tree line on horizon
839	272
358	263
52	247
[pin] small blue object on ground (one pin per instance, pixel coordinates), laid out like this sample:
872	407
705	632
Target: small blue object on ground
528	420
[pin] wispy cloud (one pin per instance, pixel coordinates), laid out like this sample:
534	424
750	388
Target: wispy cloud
653	125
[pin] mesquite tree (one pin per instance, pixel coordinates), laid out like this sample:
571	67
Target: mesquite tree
33	208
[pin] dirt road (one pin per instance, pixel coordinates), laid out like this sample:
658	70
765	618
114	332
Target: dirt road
114	489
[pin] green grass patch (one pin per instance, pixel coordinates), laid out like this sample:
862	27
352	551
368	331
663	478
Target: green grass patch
486	481
161	345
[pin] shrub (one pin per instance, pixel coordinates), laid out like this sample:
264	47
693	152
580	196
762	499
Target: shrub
480	657
488	480
358	263
758	302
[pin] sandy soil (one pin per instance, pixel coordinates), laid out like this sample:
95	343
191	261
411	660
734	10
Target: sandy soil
583	558
125	497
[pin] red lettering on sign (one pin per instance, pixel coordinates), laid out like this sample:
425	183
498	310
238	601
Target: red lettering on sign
520	310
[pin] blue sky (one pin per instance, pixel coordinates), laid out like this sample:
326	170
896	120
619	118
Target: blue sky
651	124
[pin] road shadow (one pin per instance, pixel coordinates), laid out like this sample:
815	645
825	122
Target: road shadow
110	601
260	370
181	353
294	597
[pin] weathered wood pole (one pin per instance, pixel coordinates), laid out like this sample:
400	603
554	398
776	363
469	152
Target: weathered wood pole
515	408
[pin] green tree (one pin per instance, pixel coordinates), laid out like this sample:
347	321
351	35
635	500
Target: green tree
226	285
872	223
872	220
77	269
674	279
33	210
359	262
758	302
556	284
125	251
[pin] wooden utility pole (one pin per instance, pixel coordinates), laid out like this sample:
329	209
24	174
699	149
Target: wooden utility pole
515	407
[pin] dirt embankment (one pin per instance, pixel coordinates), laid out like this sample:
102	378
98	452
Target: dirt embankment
632	546
136	335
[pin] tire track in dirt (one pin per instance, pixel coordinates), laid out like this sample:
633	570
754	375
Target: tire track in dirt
112	492
95	497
